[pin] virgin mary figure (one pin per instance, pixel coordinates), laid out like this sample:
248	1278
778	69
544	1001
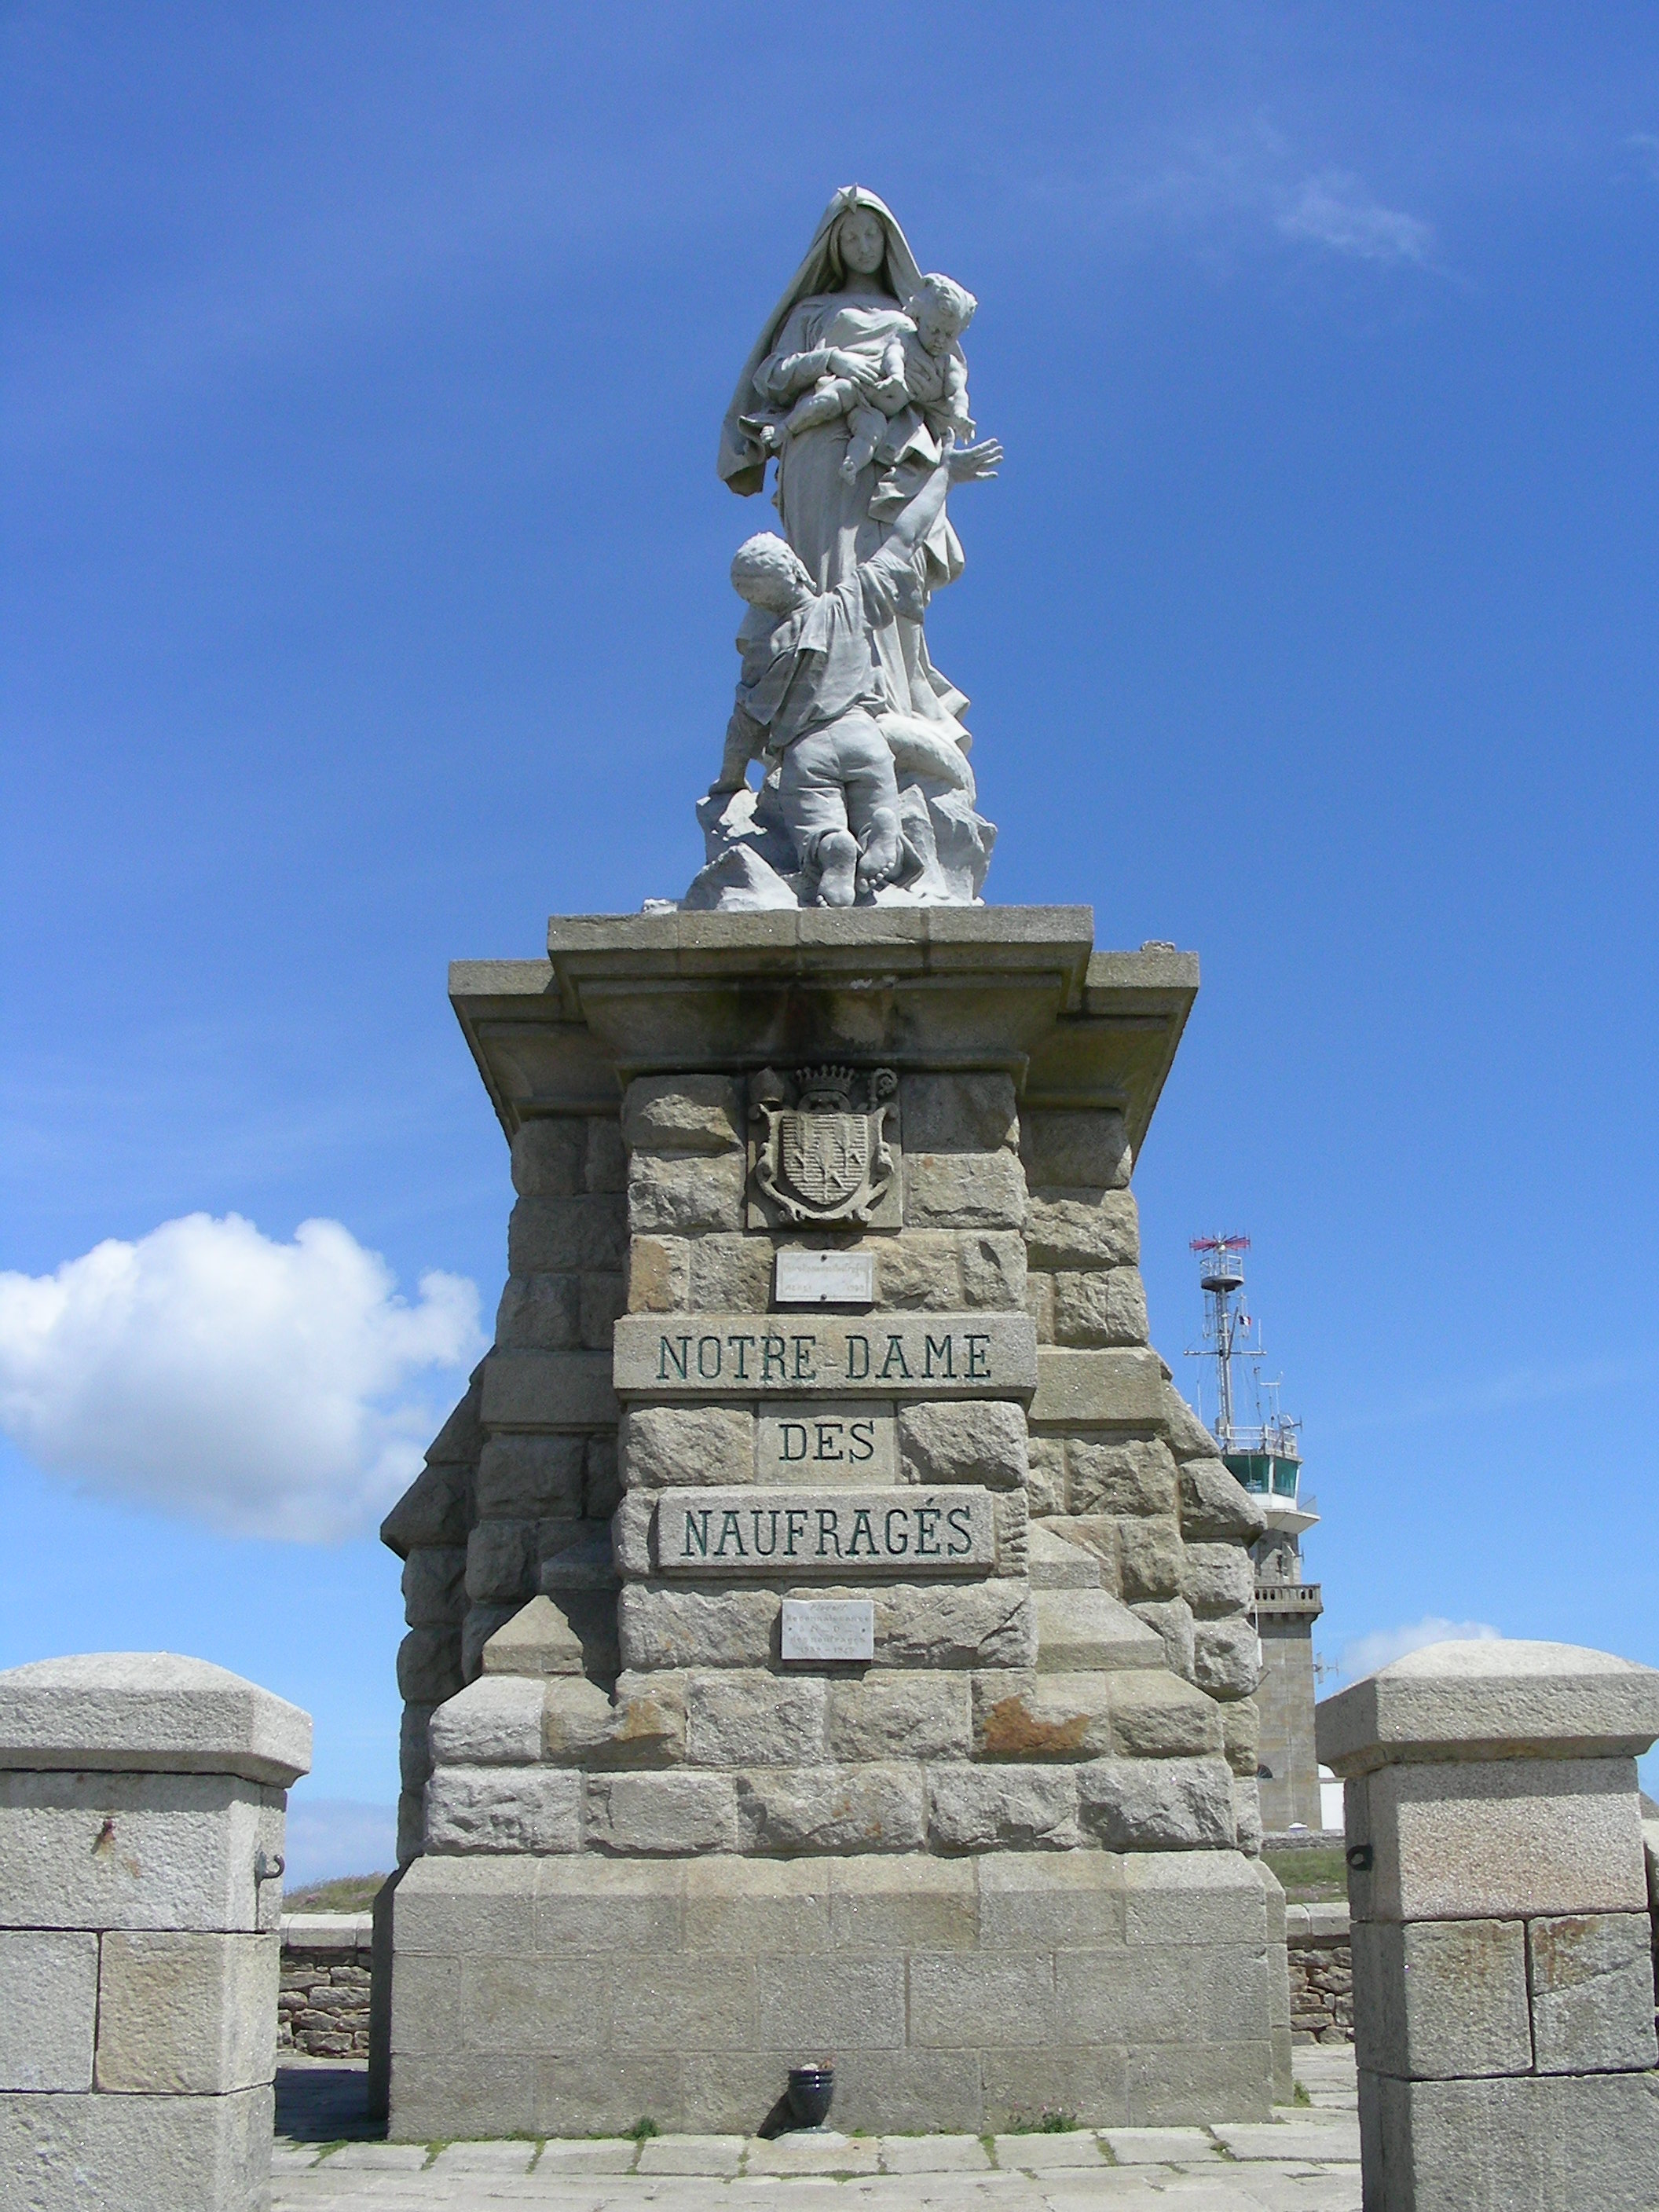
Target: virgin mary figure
844	302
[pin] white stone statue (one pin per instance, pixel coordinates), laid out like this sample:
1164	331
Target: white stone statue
858	388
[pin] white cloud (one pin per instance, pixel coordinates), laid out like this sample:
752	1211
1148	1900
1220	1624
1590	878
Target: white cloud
1334	209
1498	1393
329	1838
1244	188
210	1371
1367	1653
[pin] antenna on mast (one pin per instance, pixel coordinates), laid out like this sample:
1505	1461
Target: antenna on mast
1221	1276
1264	1456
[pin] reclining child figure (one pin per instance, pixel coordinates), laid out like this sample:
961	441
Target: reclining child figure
811	687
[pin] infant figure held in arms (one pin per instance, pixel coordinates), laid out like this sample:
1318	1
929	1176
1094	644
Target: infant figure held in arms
872	381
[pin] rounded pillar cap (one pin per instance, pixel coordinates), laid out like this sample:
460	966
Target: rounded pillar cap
1490	1697
149	1712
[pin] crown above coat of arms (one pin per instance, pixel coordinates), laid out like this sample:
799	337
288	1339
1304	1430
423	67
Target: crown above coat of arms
820	1156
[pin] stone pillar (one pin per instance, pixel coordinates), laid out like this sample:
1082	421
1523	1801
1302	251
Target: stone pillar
142	1806
901	1709
1279	1983
1503	1966
1285	1615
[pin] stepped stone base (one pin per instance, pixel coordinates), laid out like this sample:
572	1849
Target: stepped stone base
548	1996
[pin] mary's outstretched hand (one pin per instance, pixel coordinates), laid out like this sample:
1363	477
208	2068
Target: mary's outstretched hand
975	463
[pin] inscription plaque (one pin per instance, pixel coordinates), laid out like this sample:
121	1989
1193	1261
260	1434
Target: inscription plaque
828	1440
736	1355
825	1279
829	1628
838	1532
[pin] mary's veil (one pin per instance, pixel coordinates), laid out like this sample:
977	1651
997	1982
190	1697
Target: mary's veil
742	464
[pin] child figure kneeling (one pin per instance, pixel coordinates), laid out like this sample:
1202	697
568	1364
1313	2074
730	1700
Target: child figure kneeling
810	690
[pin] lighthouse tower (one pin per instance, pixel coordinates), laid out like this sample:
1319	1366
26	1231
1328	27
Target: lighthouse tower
1265	1455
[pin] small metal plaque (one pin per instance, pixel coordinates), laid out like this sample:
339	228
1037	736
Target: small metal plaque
826	1278
829	1628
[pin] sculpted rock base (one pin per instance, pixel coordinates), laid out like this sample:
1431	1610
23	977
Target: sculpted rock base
752	868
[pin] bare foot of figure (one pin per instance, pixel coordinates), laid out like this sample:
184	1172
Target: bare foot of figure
879	863
838	859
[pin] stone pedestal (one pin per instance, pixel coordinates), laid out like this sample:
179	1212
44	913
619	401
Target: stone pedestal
830	1629
1502	1948
142	1804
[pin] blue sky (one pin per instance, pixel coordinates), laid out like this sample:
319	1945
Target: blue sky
365	602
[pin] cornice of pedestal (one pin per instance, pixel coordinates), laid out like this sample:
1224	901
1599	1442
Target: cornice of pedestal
1019	989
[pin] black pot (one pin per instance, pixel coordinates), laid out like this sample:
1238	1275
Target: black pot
811	2089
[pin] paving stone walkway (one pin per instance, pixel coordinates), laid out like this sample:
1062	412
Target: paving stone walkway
1306	2160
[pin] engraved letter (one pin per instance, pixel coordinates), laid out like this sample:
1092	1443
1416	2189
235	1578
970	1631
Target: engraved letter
793	1515
828	1531
858	1358
895	1351
764	1550
979	1369
693	1531
927	1546
679	1360
740	1344
705	1345
729	1528
941	1347
788	1431
828	1448
899	1545
861	1527
956	1521
804	1347
863	1436
772	1351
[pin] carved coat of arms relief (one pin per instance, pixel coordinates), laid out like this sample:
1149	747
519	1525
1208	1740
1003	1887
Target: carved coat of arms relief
820	1150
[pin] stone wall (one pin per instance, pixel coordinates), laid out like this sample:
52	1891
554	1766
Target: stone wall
572	1994
1317	1941
323	2009
322	2006
525	1466
1094	1680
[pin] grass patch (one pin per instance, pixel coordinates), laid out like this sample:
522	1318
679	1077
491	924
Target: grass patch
643	2129
1299	2095
1051	2121
352	1892
1311	1877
